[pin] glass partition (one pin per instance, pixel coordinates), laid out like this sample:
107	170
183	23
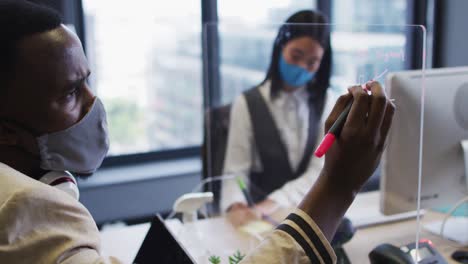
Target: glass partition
269	92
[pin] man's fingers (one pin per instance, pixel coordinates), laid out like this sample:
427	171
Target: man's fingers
386	123
340	105
378	104
358	114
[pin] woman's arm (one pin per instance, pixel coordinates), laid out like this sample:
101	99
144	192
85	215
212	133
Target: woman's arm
292	192
239	152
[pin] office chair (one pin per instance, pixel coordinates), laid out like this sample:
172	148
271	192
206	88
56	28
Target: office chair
215	136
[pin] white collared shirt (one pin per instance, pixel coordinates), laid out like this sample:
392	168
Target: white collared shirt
290	111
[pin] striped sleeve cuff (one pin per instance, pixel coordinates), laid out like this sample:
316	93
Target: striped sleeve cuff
309	236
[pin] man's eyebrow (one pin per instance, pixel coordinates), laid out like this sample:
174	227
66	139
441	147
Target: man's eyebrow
72	83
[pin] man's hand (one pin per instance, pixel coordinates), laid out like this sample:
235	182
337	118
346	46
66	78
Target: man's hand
353	157
356	153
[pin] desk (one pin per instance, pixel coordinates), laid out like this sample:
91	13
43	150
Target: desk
397	233
123	242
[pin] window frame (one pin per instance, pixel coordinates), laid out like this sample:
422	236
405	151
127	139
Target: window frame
153	156
416	14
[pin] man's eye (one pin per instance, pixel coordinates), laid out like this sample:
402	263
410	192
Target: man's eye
71	94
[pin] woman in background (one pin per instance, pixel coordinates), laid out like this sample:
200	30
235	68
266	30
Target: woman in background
274	126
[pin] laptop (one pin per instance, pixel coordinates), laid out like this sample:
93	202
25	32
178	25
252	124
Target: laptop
161	246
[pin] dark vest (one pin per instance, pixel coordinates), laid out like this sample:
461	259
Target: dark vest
273	153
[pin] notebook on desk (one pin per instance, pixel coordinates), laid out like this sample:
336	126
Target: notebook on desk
161	246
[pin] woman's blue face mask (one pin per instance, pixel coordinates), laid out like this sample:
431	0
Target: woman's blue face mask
294	75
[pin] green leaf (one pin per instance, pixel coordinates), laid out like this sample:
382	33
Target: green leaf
215	260
236	258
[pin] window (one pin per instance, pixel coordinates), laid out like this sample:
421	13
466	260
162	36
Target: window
145	57
381	40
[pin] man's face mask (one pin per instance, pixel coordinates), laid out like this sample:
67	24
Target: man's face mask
294	75
80	148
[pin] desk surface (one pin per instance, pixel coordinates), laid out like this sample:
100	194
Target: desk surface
397	233
222	239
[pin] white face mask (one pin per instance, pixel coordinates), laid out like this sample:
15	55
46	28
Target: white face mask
80	148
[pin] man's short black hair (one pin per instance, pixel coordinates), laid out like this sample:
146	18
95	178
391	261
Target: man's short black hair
18	19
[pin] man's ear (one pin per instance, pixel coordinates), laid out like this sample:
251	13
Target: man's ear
14	135
8	137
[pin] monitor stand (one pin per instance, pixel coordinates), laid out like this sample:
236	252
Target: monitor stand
464	144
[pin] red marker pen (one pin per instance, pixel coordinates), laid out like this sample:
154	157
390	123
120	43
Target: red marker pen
334	132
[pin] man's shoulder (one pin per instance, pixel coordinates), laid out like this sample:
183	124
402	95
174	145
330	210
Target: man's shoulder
40	205
34	215
13	183
39	193
17	188
32	198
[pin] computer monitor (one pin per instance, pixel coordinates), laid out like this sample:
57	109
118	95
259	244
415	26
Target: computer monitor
444	179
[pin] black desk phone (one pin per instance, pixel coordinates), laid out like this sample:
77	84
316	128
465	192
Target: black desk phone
390	254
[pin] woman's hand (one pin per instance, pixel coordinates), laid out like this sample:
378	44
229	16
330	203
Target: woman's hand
240	214
266	206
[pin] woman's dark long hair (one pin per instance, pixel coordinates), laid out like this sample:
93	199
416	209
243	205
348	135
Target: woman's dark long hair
295	27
